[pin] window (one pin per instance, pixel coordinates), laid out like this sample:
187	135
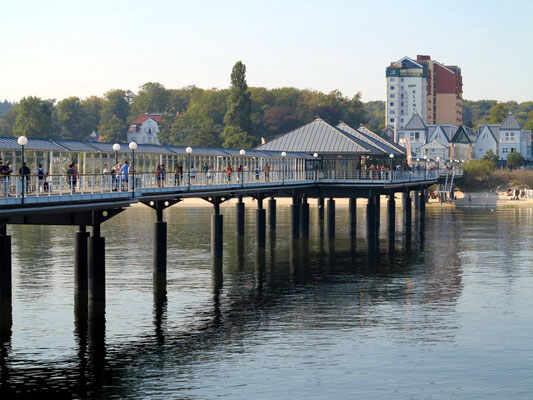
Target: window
392	96
509	136
402	79
415	136
401	96
401	120
401	87
513	149
392	104
392	112
392	79
402	112
391	120
392	88
402	104
485	136
505	150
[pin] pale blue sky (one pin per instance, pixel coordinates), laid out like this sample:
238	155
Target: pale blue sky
55	49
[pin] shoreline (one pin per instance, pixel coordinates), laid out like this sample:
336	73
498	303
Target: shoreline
478	199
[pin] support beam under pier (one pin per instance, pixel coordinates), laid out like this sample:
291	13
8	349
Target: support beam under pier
295	217
391	214
352	211
320	207
260	223
216	230
239	208
331	217
272	213
96	262
407	212
304	218
81	274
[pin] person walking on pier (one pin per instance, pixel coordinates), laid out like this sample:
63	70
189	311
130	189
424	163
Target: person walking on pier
176	175
124	171
193	174
71	177
229	170
163	174
266	170
239	173
41	174
5	172
158	173
210	175
257	171
25	173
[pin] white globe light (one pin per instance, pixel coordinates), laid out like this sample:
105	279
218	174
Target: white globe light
188	150
283	154
242	152
116	147
315	155
391	155
22	140
418	159
133	146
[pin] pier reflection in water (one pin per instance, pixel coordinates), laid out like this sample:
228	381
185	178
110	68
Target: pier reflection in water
318	317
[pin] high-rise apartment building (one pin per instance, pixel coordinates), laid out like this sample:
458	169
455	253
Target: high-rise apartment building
424	87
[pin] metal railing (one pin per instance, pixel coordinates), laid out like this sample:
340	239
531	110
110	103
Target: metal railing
33	186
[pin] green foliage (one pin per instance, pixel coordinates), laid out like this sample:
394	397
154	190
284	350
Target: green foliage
34	118
239	106
92	109
235	138
7	121
114	115
152	98
498	113
5	106
72	120
514	159
478	170
490	156
491	111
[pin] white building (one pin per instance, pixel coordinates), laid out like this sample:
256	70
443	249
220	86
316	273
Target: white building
144	129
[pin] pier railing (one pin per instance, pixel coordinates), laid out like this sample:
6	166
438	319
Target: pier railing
16	187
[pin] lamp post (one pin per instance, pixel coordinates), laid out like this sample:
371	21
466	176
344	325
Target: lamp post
242	153
188	150
116	147
283	155
22	141
391	156
133	146
315	155
425	167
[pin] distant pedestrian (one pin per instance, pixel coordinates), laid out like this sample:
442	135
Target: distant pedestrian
192	174
71	177
176	175
41	174
229	170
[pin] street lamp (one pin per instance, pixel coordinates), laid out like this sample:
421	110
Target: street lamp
188	150
391	156
283	155
133	147
315	155
22	141
116	147
242	153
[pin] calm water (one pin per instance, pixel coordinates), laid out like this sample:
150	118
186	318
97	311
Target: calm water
446	316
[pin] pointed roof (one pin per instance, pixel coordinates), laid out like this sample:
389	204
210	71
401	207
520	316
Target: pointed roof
494	131
414	123
464	134
510	122
320	137
440	135
367	139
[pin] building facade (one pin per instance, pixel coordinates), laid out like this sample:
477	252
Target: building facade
425	87
144	129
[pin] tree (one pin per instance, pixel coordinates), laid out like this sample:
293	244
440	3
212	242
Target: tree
34	118
238	116
490	156
235	138
498	113
514	159
5	106
152	98
114	116
478	170
72	120
92	108
7	121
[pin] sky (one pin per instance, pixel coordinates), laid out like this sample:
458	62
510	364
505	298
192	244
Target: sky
56	49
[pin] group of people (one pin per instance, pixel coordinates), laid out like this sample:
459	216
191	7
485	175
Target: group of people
120	173
5	177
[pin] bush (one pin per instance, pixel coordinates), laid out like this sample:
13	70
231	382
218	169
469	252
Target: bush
514	159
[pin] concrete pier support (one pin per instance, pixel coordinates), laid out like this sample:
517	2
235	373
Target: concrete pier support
160	246
216	231
5	264
407	212
81	274
272	213
371	217
331	217
320	207
239	208
96	265
422	210
304	218
416	199
295	218
352	211
391	215
260	224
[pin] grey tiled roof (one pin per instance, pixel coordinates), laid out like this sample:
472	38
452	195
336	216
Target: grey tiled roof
10	143
510	122
75	145
363	129
320	137
198	151
367	139
464	134
415	122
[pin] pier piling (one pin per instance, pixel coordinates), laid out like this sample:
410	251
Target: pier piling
96	264
272	213
5	263
352	210
240	217
260	224
295	217
304	218
331	217
81	274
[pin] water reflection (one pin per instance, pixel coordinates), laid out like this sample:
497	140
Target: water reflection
389	285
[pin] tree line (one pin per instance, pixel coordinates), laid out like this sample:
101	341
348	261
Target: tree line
239	116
